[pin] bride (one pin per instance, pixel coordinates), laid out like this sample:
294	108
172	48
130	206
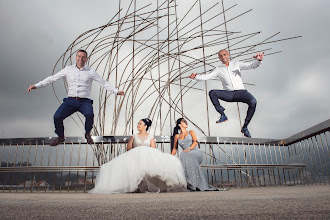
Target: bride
143	168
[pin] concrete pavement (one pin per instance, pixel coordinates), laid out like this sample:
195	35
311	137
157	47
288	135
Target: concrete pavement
287	202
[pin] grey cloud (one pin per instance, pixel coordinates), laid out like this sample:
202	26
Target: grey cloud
291	87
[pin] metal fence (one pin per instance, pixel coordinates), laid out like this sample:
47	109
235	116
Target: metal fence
31	165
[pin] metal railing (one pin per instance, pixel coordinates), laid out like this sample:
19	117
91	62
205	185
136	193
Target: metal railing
30	164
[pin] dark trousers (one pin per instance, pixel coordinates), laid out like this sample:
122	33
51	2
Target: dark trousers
70	106
234	96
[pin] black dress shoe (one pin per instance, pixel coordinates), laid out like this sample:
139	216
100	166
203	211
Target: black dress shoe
246	132
89	139
57	141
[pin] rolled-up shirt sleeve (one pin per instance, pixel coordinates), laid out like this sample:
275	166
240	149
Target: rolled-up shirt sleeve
212	75
248	66
51	79
104	83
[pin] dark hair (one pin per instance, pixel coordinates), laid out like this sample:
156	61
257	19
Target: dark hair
175	132
147	122
177	128
84	51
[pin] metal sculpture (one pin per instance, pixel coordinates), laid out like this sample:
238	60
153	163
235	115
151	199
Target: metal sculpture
149	52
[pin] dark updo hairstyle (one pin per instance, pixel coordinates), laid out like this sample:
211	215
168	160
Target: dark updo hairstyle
147	122
176	130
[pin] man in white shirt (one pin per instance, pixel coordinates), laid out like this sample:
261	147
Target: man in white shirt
79	78
229	73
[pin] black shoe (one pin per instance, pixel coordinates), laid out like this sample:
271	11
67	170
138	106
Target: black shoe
246	132
57	141
89	139
223	118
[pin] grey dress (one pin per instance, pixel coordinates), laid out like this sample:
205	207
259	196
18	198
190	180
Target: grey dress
191	161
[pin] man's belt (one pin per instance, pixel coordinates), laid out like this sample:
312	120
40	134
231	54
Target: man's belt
78	98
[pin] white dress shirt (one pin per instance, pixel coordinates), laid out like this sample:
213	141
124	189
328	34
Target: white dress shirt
79	81
230	76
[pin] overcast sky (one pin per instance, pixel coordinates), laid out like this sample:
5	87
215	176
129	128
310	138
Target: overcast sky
292	88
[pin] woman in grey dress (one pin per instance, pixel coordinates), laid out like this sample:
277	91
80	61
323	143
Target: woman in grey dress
191	157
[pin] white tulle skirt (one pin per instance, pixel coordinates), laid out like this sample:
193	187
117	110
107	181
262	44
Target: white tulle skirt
142	169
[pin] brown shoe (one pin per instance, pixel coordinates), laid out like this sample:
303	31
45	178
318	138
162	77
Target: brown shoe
89	139
57	141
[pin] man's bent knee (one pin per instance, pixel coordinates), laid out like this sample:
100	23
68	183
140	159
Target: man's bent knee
58	117
89	115
212	93
253	102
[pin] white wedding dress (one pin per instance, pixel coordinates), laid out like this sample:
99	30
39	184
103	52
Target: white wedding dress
142	169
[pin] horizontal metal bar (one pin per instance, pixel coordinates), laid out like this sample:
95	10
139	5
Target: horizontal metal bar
96	168
317	129
50	169
256	166
125	139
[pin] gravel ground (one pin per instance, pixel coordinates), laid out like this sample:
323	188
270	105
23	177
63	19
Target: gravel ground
286	202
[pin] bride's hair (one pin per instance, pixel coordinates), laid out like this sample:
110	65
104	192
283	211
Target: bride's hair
147	122
176	130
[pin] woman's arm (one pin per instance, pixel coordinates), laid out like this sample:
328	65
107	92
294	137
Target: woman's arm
130	143
176	137
153	143
194	143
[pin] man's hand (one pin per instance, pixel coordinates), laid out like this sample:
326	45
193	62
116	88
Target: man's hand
120	93
31	87
259	56
193	75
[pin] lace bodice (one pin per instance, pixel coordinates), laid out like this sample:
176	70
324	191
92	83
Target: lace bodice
142	140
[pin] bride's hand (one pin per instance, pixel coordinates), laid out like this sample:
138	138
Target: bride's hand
187	150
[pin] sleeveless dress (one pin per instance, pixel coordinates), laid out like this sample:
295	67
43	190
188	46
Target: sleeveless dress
191	161
141	169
